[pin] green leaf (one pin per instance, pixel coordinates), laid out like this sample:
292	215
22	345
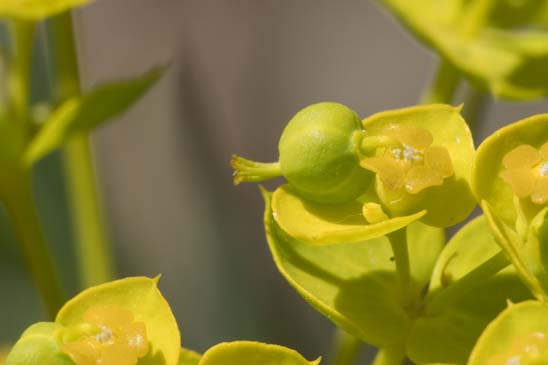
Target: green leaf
252	353
486	181
506	53
141	297
189	357
329	224
453	201
80	115
36	9
517	333
355	285
447	329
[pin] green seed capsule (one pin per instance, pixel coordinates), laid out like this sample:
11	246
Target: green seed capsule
318	155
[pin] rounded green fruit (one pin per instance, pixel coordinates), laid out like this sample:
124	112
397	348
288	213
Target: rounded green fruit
318	154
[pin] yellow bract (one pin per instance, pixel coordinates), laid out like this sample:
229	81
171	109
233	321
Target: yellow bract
112	338
526	171
525	349
413	164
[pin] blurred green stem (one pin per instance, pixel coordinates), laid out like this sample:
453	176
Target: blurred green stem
94	251
475	103
345	348
392	356
443	86
19	72
17	190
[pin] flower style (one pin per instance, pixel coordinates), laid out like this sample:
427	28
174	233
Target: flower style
114	338
526	170
411	162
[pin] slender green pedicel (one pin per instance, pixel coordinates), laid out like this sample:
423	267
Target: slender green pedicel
318	155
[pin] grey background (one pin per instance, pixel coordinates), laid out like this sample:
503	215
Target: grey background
239	70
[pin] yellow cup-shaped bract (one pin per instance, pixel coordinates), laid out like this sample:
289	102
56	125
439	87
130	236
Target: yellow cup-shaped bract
425	163
519	335
494	177
319	154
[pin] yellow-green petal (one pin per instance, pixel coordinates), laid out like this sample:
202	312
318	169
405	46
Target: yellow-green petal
487	182
506	334
36	9
140	296
453	201
329	224
253	353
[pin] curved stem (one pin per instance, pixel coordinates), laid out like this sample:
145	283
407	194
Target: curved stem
30	237
345	348
444	84
93	248
398	241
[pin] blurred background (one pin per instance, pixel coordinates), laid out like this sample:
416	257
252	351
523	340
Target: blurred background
239	70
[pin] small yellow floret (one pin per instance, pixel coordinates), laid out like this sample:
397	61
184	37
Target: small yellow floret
414	165
115	339
526	171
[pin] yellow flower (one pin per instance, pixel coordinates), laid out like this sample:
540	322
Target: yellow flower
410	161
111	338
526	171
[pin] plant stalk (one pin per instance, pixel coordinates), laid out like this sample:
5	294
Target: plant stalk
345	348
30	237
444	84
93	248
19	73
398	241
392	356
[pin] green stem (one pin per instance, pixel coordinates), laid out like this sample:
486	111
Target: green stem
444	84
24	217
392	356
345	348
398	241
20	69
475	104
477	276
93	248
